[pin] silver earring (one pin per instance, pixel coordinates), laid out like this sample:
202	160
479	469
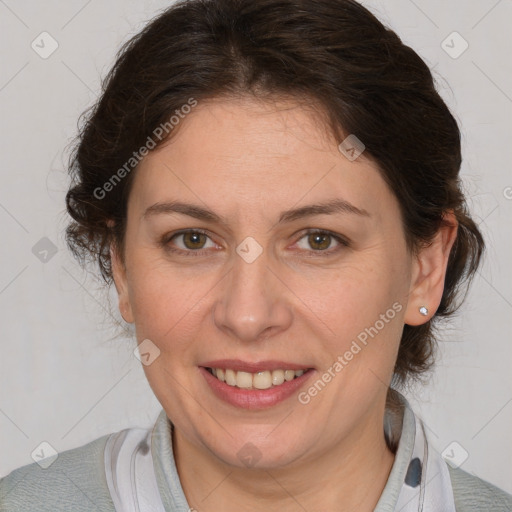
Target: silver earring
424	311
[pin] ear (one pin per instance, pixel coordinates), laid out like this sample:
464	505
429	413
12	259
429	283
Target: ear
121	284
429	272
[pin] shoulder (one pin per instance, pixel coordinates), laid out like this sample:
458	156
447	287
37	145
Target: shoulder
472	494
74	481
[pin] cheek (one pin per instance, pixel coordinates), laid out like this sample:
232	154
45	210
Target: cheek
356	292
153	296
167	302
361	308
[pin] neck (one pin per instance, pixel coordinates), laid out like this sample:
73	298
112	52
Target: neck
349	476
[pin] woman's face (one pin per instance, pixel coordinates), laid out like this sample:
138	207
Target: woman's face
234	277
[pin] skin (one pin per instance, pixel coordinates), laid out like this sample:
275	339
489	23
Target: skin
248	161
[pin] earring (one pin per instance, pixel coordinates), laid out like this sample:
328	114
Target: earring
424	311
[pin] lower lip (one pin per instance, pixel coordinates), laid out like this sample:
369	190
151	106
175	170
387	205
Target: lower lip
254	398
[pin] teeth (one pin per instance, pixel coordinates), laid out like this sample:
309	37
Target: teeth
260	380
289	375
243	380
231	377
277	377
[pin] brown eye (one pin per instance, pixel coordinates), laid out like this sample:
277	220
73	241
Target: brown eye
189	242
194	240
321	242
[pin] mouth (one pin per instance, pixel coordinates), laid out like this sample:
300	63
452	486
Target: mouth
265	379
254	385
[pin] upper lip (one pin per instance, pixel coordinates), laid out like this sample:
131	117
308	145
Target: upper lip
253	367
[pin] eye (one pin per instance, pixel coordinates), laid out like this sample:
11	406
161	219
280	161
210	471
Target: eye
188	242
196	242
323	242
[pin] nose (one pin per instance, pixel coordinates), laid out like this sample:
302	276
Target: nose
253	303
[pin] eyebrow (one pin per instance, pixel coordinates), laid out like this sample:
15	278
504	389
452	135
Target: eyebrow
198	212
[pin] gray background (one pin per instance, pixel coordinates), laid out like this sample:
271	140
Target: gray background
66	380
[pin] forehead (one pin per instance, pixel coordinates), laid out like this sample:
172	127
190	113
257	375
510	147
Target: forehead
255	153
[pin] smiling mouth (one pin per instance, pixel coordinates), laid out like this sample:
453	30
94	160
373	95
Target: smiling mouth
259	380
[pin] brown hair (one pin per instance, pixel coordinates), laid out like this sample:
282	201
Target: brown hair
332	52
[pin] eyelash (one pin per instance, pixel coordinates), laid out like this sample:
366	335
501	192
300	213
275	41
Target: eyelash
318	253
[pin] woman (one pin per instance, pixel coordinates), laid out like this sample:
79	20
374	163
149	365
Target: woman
273	188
